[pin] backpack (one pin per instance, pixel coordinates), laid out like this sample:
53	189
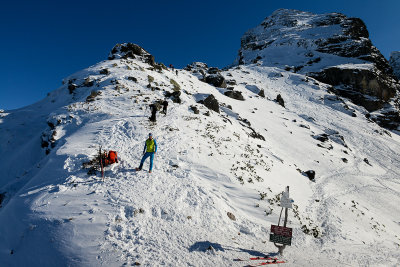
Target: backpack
112	157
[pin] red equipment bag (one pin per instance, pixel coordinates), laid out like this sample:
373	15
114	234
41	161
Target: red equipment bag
112	157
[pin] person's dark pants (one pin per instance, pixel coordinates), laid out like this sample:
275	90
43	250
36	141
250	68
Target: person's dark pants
153	116
145	156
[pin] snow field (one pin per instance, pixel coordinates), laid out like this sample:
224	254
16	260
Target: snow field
205	167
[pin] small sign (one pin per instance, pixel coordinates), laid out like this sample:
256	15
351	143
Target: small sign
280	239
280	230
286	202
281	235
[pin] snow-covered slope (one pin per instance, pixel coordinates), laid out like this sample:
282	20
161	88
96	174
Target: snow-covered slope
208	164
395	62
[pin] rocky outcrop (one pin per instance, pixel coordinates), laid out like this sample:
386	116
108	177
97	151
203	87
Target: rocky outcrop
130	50
395	63
365	87
199	69
309	37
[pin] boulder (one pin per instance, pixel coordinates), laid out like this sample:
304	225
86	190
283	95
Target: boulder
216	80
211	103
104	71
195	109
235	95
131	78
280	100
310	174
231	216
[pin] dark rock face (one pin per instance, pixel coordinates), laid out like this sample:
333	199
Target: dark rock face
235	95
216	80
211	103
261	93
359	85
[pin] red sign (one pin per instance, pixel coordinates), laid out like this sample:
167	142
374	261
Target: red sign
282	231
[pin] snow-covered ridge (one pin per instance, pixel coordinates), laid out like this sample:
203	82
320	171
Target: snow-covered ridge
208	164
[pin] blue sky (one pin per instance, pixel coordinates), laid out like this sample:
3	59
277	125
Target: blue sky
45	41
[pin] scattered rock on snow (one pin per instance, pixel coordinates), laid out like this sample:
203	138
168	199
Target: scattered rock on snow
321	137
367	161
92	96
235	95
231	216
104	71
310	174
195	109
72	87
88	82
280	100
133	79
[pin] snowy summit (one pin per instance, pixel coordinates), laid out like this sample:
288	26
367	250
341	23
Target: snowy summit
228	144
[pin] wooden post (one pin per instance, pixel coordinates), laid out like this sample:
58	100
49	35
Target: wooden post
101	163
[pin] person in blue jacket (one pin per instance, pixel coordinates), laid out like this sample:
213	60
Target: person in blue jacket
150	149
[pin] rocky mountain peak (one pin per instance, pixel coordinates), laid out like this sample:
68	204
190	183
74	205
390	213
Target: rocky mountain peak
332	48
308	35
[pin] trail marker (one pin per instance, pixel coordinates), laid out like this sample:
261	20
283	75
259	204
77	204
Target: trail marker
282	234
